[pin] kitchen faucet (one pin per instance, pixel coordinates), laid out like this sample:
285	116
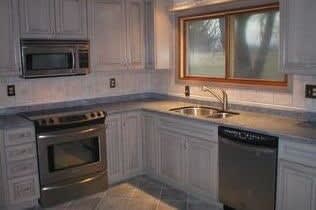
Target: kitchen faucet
223	100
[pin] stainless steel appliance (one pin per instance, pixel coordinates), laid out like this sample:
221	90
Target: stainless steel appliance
50	58
71	155
247	169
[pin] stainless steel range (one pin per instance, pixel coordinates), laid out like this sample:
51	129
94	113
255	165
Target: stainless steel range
71	150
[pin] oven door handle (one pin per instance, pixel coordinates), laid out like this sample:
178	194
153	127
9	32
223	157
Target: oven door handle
89	179
63	133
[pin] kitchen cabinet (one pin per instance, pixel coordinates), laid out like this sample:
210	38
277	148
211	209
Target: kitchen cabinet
132	144
117	35
158	29
150	144
124	146
61	19
202	166
114	148
296	186
19	181
8	39
298	28
188	156
71	18
172	147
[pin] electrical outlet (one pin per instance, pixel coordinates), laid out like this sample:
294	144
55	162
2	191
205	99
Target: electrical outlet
11	90
112	83
187	90
310	91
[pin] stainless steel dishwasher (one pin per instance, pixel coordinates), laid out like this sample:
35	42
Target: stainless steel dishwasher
247	169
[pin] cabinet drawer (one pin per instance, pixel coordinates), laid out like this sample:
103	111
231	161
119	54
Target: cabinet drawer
191	128
23	189
21	168
298	152
19	136
21	152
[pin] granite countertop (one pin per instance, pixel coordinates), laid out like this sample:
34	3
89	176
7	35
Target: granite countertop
268	124
284	127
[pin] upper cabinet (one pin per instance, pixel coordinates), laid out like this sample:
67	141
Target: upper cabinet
71	18
297	36
7	39
117	34
158	30
135	34
61	19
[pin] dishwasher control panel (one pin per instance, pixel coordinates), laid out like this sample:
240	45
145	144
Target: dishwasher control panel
247	137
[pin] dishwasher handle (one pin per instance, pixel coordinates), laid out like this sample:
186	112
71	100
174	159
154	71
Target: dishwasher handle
248	137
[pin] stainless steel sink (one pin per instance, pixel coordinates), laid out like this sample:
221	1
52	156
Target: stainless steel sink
195	110
222	115
203	111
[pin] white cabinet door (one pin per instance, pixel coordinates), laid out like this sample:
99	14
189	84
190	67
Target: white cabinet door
132	144
150	144
172	146
201	166
298	28
71	18
108	35
162	27
7	38
37	19
135	33
114	148
296	187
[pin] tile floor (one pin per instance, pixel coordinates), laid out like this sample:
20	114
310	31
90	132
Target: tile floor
139	193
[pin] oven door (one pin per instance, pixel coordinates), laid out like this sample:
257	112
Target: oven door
46	61
71	153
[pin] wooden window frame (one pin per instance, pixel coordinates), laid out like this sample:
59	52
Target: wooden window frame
182	73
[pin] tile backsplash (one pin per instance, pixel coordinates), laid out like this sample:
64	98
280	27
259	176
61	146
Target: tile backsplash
96	84
292	99
58	89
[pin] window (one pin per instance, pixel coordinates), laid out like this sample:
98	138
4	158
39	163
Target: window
240	46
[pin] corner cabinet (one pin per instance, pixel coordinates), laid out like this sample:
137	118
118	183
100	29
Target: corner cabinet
124	146
298	28
158	34
61	19
117	35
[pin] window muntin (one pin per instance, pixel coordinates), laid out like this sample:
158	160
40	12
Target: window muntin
234	46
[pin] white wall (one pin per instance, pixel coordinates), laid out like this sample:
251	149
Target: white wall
96	84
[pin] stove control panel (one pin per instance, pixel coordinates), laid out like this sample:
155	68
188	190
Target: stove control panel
70	119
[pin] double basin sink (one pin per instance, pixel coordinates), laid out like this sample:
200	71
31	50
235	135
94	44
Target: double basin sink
204	111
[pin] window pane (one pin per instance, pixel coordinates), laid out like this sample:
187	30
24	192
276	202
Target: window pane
255	46
205	48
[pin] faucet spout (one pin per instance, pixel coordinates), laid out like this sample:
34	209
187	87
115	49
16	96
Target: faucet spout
222	99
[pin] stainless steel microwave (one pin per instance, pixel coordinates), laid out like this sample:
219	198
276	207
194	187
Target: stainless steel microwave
52	58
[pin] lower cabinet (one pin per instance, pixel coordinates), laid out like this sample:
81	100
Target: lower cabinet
19	181
201	166
124	146
150	144
189	158
296	187
172	147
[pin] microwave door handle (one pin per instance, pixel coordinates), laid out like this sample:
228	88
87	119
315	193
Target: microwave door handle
73	60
